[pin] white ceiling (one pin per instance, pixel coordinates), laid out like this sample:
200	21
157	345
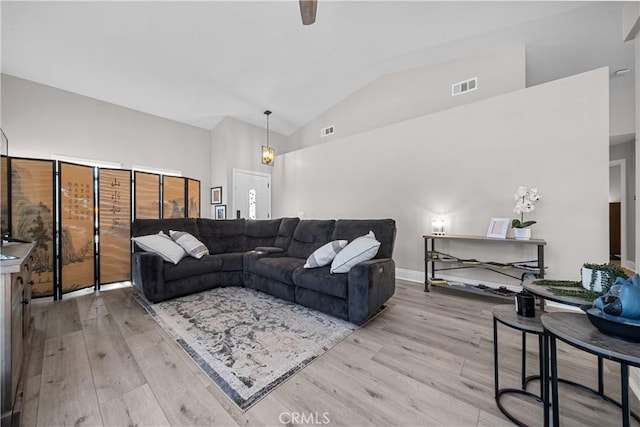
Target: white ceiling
196	62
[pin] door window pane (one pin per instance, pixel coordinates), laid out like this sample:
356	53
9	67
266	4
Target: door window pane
252	204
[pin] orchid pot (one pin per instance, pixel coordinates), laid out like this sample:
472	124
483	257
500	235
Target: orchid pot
522	233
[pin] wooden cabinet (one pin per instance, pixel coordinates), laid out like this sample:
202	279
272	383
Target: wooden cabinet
15	324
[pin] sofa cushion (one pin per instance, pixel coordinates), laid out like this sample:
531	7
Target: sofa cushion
261	232
309	236
232	261
384	229
325	254
361	249
280	269
162	245
321	280
285	232
190	244
189	267
222	236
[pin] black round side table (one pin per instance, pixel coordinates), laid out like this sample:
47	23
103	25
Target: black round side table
506	314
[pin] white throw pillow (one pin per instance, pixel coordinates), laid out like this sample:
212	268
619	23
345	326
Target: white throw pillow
189	243
162	245
360	249
325	254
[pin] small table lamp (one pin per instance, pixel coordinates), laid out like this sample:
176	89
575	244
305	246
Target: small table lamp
437	226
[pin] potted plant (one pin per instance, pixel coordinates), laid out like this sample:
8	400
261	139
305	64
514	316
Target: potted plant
525	201
600	277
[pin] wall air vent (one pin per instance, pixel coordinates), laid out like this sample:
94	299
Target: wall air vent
464	87
329	130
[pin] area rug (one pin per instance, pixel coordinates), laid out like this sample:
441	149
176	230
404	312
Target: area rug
246	341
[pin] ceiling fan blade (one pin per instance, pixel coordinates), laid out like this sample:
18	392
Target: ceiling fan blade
308	11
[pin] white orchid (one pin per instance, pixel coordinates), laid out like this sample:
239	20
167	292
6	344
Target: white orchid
525	200
520	193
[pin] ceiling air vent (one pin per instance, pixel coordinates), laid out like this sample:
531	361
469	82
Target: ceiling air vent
464	87
329	130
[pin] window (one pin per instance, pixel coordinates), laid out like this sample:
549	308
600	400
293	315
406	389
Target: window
252	204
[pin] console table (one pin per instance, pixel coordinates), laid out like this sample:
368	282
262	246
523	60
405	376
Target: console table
432	256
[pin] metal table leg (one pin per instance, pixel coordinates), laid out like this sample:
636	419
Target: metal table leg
554	380
624	383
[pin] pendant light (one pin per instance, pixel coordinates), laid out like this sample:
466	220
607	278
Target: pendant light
267	152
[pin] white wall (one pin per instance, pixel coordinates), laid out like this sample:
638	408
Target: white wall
237	144
41	120
622	107
465	164
414	93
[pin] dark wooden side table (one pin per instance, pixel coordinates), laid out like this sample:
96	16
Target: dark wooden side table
576	330
506	314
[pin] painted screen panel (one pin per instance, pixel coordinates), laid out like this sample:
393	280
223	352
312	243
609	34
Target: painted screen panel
32	213
114	221
77	218
173	197
147	195
4	195
193	198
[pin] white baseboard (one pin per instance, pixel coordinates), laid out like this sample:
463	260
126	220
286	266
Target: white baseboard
410	275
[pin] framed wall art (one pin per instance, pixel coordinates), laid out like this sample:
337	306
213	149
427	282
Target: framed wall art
216	195
220	212
498	228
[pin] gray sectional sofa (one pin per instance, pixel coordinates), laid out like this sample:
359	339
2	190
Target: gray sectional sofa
268	255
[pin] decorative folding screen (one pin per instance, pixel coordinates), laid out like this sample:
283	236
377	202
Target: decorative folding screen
193	198
114	225
147	195
4	194
77	227
173	197
68	262
33	217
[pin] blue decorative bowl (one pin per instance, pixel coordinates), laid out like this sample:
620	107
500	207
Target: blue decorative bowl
619	327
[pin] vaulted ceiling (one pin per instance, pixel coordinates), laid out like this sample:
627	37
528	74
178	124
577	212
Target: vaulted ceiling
197	62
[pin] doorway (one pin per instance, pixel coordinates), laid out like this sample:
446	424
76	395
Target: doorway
251	194
617	211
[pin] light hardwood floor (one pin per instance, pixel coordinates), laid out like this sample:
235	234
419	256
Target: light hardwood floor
100	359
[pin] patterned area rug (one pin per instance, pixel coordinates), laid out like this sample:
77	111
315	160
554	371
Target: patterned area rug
248	342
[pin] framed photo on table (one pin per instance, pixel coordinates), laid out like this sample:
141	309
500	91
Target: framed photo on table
216	195
498	228
220	212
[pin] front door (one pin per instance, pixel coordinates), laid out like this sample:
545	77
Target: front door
251	195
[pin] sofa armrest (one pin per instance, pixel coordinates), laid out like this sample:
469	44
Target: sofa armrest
371	284
269	249
147	274
250	258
